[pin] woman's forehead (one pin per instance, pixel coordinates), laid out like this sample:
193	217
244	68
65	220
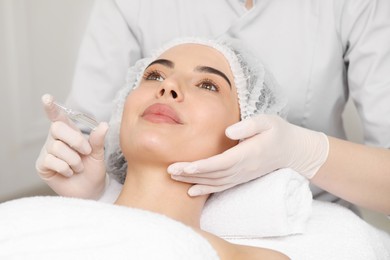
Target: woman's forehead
198	53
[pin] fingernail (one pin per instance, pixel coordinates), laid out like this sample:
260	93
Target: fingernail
106	125
191	169
79	170
103	125
233	130
174	170
47	99
194	192
69	174
86	148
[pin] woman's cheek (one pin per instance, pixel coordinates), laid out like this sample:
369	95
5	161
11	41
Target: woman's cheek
211	130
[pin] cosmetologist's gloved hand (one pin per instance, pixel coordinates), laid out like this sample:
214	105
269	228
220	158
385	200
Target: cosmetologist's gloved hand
269	143
69	163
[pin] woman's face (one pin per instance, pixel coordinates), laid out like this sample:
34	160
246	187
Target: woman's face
181	109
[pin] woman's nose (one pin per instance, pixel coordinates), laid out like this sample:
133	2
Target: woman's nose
170	88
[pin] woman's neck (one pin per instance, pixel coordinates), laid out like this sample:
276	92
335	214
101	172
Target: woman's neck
151	188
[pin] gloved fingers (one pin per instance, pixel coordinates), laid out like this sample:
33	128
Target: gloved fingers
198	190
96	140
211	175
73	138
52	165
42	170
63	152
248	127
53	113
177	168
205	181
218	162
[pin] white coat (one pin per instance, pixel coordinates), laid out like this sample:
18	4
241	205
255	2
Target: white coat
320	51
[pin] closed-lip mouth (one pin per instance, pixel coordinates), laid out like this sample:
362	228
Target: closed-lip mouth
161	113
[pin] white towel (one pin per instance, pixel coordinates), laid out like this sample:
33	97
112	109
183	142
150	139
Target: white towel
64	228
332	233
277	204
59	228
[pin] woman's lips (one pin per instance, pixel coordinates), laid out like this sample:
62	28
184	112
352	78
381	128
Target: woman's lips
160	113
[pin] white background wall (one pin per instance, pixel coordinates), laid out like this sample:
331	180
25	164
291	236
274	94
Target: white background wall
39	40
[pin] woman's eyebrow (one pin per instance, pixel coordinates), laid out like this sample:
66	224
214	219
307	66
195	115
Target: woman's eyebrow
164	62
213	71
171	64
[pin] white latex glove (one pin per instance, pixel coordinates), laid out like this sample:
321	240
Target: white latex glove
269	143
69	163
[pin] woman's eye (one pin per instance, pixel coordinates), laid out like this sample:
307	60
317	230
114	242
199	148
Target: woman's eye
154	75
208	86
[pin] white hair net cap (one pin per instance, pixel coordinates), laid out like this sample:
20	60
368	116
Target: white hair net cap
258	92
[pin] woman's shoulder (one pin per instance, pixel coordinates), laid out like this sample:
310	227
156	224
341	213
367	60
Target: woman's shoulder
227	250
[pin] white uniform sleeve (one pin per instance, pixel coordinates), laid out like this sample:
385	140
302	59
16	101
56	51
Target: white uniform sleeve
365	33
107	50
111	191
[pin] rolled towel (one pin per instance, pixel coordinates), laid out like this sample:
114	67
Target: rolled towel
333	232
277	204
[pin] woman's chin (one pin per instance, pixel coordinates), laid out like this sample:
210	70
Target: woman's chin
169	148
153	148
